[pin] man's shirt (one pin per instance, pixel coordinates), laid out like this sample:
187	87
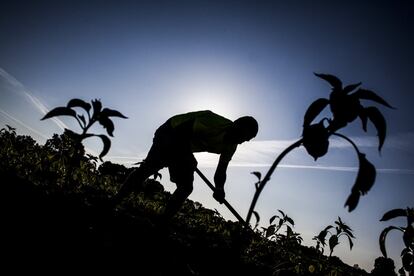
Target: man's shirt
207	131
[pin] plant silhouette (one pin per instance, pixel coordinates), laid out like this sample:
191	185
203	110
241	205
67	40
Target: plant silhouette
384	267
341	230
99	115
345	107
407	254
67	225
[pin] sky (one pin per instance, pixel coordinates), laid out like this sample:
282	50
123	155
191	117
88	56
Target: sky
154	59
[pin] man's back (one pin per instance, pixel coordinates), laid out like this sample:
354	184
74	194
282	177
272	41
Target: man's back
206	130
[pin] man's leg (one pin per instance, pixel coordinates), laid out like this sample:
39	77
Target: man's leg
134	181
184	189
182	174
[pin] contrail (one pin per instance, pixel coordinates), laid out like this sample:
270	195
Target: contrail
20	88
33	99
23	124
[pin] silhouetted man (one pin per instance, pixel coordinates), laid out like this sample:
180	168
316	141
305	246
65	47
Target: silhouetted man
173	146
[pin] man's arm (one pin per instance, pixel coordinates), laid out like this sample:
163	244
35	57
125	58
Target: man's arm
220	179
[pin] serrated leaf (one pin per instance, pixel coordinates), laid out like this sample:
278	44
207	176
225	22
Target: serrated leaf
272	219
393	214
60	111
375	116
106	145
383	237
313	110
334	81
351	87
112	113
370	95
352	201
258	175
107	124
366	175
79	103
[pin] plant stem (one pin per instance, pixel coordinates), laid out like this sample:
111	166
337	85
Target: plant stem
267	177
349	140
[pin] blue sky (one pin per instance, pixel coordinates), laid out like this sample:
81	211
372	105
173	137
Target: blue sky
153	59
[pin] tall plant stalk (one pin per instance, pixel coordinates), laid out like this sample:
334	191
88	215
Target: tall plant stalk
267	177
345	105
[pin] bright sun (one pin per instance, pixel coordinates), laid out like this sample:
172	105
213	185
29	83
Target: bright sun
221	100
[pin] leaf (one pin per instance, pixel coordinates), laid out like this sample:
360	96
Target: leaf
256	215
364	118
97	106
60	111
106	145
393	214
366	175
112	113
107	124
333	241
352	201
258	175
333	80
272	219
82	118
316	140
281	212
407	259
288	219
369	95
378	120
314	109
322	235
79	103
270	230
382	238
349	232
280	223
408	237
351	87
10	128
156	175
363	183
351	244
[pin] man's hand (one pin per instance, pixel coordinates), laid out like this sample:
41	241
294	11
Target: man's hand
219	195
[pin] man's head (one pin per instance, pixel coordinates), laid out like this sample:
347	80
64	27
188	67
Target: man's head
243	129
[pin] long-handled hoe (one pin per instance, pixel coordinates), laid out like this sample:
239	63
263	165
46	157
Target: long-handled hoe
225	202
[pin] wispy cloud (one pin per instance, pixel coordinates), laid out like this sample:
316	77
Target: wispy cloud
7	115
20	88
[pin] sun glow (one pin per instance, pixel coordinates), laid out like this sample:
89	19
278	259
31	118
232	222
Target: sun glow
220	98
